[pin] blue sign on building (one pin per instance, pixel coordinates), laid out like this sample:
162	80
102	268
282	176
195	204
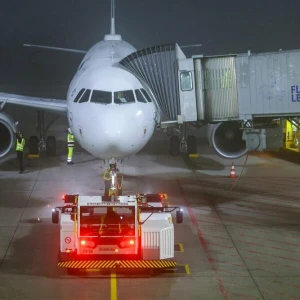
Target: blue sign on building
295	93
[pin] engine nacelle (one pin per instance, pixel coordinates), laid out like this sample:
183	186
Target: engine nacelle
7	134
227	139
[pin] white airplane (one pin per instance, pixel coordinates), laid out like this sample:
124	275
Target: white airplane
109	112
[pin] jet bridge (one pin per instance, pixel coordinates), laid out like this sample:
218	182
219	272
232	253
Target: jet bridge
157	68
243	97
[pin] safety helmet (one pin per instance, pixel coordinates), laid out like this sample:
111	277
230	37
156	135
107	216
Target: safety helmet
69	130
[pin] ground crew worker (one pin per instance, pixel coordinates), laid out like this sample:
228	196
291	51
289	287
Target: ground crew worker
71	143
19	148
111	221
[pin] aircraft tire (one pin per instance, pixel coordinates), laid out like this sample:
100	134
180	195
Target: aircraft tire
174	145
33	146
191	144
51	145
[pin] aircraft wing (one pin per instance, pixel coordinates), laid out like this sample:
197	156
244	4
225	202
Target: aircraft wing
52	105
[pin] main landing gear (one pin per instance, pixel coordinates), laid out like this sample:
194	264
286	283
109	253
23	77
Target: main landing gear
113	184
37	145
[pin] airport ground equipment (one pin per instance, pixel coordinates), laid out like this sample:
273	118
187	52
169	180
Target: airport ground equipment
291	134
240	97
116	232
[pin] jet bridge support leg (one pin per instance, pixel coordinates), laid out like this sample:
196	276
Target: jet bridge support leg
184	143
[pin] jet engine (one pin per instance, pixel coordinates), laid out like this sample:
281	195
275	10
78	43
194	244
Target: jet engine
7	135
226	139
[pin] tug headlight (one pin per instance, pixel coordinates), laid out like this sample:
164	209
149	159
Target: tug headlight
87	243
127	243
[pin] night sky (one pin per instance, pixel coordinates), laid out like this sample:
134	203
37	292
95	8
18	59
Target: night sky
221	26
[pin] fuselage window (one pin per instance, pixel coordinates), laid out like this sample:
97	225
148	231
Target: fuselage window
101	97
123	97
140	97
85	97
79	95
146	95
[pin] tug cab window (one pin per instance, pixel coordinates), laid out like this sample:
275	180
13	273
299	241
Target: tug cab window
146	95
79	95
140	97
107	221
123	97
101	97
85	97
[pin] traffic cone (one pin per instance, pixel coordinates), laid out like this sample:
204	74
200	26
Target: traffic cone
232	172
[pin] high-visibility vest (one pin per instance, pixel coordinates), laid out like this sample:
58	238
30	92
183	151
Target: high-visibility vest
70	140
20	146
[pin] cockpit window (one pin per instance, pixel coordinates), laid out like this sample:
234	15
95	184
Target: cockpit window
146	95
82	64
123	97
101	97
85	97
79	95
140	97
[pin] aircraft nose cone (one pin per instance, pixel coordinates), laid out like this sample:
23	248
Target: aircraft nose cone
114	127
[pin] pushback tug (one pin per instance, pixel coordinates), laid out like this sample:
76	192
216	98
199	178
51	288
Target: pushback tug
110	232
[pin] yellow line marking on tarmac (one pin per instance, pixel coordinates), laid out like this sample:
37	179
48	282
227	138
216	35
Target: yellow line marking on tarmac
113	286
187	269
180	246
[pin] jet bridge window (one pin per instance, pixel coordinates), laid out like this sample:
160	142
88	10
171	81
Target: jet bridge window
101	97
186	81
146	95
85	97
140	97
79	95
123	97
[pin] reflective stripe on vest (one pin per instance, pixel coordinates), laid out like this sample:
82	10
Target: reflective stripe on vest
70	140
20	146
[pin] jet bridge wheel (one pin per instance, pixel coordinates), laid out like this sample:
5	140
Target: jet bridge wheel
51	145
33	145
191	144
174	145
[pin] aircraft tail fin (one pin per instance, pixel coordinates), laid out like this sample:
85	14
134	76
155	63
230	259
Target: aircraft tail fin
112	36
112	24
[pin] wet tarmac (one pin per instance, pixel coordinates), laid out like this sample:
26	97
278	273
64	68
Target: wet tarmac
240	238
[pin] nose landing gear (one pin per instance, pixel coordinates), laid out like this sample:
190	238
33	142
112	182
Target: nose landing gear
111	181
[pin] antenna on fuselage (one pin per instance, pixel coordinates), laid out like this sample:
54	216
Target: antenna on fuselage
112	36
